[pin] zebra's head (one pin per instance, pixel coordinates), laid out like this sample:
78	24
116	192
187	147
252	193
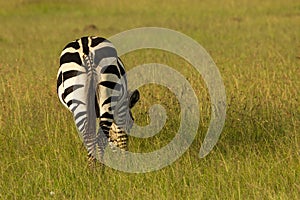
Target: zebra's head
133	98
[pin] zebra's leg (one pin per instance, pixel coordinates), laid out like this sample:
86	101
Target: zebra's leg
101	141
118	137
106	104
113	139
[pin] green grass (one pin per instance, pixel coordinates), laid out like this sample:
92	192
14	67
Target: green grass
256	46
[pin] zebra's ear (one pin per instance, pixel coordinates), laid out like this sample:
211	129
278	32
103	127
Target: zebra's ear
134	97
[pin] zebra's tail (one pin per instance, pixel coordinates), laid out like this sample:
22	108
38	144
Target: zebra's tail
94	142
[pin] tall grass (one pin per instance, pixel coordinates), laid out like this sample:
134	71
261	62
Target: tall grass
256	47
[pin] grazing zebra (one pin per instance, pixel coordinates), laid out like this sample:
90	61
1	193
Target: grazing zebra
91	83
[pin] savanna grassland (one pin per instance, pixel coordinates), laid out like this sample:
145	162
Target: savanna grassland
256	46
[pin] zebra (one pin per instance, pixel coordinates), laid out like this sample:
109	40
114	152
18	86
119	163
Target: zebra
92	83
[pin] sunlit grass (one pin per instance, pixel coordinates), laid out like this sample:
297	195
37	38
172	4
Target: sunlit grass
256	47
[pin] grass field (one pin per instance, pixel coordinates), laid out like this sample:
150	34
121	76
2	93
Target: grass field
255	44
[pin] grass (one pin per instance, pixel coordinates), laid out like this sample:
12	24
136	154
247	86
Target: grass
256	46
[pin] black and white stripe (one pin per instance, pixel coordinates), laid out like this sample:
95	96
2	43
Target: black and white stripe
91	83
